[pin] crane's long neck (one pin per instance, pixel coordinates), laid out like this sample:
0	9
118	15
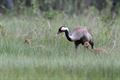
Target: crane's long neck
67	35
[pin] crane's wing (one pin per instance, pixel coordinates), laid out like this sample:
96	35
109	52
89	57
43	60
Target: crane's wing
78	33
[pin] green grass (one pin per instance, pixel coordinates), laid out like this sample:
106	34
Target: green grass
52	57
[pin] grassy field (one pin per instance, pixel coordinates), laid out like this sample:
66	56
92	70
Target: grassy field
52	57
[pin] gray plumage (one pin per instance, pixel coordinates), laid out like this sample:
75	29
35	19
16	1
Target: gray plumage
78	35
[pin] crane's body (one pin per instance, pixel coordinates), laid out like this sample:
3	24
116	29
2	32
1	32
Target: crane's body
78	36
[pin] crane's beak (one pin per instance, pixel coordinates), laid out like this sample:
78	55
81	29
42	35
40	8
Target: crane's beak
58	32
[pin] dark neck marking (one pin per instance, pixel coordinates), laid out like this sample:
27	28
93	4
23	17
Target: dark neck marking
67	35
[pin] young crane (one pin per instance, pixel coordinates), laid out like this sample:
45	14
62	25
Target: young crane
78	36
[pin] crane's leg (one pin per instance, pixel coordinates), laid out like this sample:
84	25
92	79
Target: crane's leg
76	44
92	44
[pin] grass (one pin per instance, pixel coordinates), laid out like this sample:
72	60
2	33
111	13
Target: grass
52	57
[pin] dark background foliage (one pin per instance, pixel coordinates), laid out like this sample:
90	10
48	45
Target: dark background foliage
67	6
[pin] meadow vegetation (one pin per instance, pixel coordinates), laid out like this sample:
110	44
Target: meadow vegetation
52	57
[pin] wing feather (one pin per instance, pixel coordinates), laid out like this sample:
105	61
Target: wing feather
78	33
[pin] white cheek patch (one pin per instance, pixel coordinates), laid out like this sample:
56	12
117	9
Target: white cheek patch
64	28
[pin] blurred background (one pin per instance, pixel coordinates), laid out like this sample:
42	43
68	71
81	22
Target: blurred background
69	7
30	49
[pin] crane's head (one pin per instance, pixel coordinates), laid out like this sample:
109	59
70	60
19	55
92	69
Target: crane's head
62	29
86	44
